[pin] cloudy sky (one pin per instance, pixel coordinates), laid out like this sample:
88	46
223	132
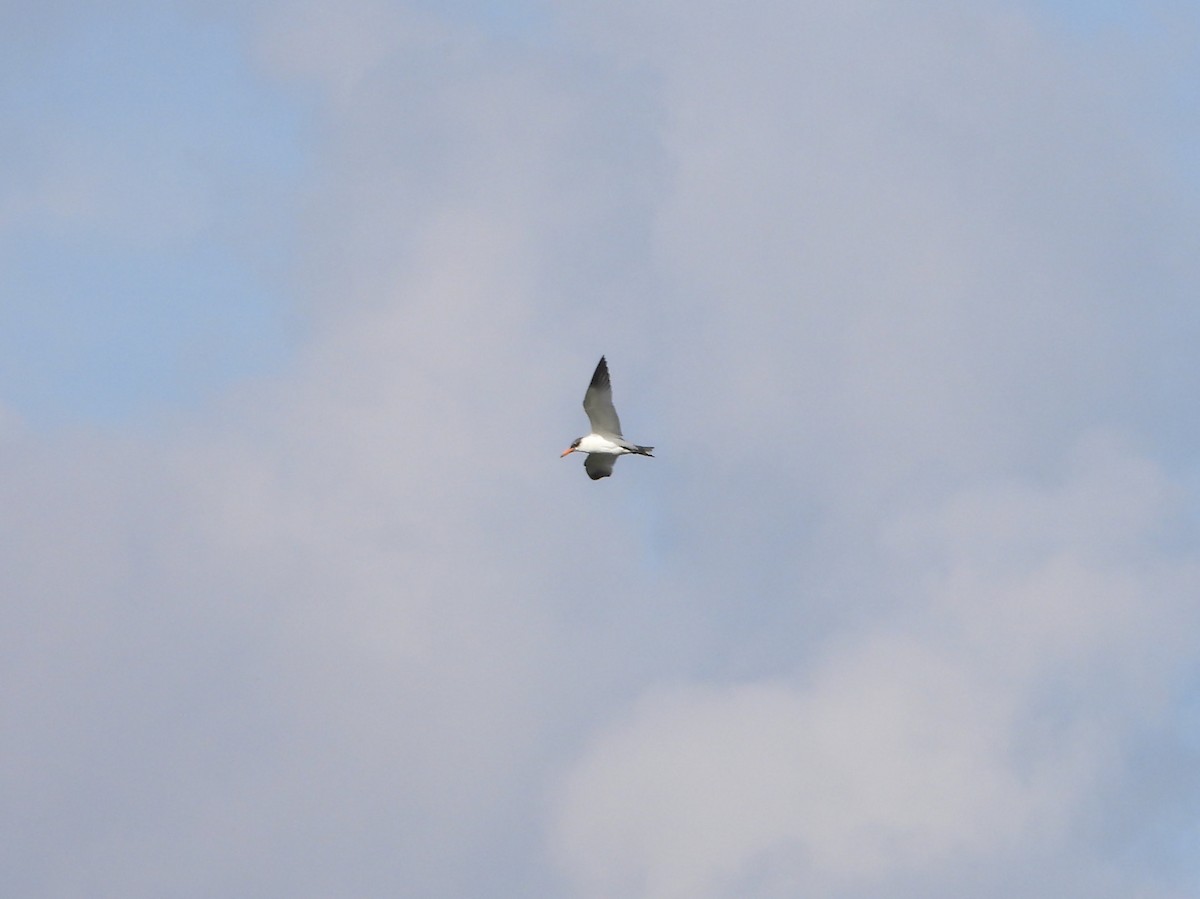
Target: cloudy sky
298	301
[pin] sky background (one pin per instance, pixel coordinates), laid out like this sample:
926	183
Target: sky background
298	302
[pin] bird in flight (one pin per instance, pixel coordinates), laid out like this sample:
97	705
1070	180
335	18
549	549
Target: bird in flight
605	442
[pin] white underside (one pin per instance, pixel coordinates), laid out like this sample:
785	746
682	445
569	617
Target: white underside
594	443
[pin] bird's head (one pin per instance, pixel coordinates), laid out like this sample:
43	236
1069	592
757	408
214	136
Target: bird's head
570	449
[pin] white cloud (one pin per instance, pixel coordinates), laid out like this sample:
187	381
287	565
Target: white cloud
706	791
977	723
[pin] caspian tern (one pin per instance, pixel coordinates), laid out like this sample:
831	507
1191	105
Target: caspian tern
605	442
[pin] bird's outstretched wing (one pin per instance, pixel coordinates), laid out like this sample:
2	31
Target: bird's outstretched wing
598	404
599	465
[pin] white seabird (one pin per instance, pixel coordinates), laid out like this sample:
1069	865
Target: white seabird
605	442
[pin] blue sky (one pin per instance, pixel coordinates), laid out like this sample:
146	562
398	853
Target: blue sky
153	177
298	305
163	280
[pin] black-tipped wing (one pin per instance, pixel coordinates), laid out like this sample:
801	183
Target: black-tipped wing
598	405
599	465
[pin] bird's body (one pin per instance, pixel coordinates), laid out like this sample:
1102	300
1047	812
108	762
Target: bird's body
605	443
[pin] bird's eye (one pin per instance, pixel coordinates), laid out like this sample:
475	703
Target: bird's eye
576	443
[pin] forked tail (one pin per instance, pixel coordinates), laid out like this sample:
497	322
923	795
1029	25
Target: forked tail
644	451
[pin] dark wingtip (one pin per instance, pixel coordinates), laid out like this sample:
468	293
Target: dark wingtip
600	375
597	475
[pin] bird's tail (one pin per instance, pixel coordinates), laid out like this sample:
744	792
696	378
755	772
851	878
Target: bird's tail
644	451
